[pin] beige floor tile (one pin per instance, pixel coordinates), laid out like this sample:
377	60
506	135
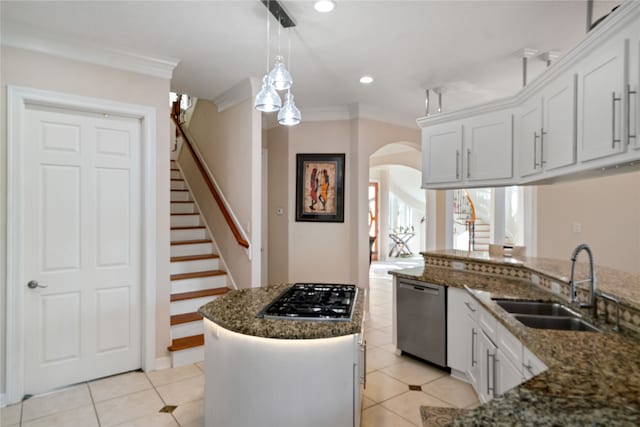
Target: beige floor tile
366	402
197	423
190	413
131	407
407	405
173	375
378	358
451	390
474	405
118	385
84	416
414	372
182	391
200	366
10	414
160	419
377	338
377	416
59	401
391	348
381	387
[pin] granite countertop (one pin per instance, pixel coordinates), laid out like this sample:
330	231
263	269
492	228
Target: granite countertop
593	378
237	310
624	285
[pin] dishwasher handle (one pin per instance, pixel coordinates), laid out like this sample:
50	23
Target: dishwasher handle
420	288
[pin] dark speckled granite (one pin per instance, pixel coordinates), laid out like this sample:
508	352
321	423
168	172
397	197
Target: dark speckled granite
237	312
593	378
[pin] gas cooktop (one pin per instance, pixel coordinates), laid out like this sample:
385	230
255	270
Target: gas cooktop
313	301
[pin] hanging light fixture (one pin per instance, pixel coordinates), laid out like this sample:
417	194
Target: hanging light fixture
279	74
289	115
267	100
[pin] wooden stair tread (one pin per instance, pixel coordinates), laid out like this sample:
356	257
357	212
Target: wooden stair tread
209	273
186	342
193	257
199	294
190	242
182	201
186	213
175	170
189	227
177	179
179	189
178	319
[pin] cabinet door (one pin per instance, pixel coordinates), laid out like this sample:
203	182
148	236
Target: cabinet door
558	145
600	93
441	154
633	99
530	124
507	375
487	368
531	365
473	365
458	330
488	143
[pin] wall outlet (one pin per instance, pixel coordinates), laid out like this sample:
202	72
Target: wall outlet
280	211
555	287
457	265
535	279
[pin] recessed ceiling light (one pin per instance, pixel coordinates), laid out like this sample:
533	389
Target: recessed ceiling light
324	5
365	80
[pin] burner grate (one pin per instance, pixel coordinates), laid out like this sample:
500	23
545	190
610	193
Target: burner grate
313	301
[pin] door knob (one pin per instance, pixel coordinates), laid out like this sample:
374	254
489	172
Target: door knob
34	284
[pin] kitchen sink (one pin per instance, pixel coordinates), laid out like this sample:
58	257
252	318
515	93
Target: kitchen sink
555	322
536	307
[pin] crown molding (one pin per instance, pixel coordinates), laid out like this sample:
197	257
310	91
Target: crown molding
244	90
25	37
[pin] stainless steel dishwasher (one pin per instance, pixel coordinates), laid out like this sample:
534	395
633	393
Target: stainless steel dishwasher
422	320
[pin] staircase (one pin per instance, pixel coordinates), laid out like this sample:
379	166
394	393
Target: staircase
481	236
196	277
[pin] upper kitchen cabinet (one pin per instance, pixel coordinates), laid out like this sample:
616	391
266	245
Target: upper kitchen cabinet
601	86
441	154
546	125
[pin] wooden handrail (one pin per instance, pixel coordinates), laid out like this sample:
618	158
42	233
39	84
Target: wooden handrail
214	192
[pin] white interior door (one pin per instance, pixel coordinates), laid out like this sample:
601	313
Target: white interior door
82	245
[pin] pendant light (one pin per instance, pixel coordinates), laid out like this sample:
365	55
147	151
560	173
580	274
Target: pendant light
279	74
267	100
289	115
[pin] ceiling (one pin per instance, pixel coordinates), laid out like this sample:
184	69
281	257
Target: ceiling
467	49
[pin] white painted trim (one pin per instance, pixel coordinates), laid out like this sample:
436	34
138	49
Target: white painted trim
3	400
237	94
162	363
17	99
531	220
25	37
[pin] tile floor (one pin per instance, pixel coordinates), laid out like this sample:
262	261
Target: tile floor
134	399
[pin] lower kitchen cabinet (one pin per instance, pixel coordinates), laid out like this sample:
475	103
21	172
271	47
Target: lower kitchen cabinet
486	384
531	365
508	375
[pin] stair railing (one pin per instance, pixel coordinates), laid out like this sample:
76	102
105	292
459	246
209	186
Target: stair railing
239	235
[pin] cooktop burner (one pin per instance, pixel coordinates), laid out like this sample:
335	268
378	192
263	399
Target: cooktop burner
313	301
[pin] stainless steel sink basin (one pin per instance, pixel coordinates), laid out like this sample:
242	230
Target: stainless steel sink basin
535	307
555	322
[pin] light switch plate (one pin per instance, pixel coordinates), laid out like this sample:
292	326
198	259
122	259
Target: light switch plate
555	287
535	279
457	265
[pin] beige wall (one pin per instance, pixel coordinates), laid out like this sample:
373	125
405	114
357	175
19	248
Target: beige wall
230	143
608	211
29	69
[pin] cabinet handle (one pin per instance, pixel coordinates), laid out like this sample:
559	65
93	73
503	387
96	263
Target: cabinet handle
629	93
529	367
457	164
468	163
489	388
495	375
535	150
542	134
473	347
614	99
470	307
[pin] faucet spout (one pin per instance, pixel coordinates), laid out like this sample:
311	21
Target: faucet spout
592	278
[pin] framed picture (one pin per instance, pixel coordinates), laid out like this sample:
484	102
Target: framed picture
320	187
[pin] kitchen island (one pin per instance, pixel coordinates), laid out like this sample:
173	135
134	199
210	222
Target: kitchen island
593	378
266	372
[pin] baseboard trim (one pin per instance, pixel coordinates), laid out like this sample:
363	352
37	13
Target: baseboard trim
459	375
3	400
162	363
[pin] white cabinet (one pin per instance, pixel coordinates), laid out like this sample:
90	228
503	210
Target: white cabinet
601	83
458	332
531	365
441	154
488	145
487	352
508	374
546	128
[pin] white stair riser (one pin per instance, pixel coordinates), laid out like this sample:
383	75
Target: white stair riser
195	266
189	234
187	329
176	175
194	249
185	220
198	284
187	357
178	185
188	305
177	196
183	207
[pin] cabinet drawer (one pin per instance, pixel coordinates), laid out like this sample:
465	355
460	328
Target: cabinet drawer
510	346
488	324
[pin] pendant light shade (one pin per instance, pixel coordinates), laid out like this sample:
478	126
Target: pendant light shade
289	115
267	100
280	75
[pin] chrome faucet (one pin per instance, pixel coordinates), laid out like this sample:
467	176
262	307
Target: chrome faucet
592	278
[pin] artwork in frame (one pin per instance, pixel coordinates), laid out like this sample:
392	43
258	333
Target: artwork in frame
320	187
